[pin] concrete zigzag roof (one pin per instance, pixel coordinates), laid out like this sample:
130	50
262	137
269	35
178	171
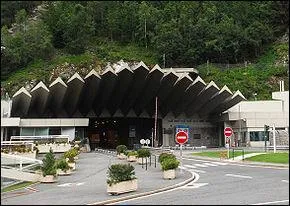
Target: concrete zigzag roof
125	92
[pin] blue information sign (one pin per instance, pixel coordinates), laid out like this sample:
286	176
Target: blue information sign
184	128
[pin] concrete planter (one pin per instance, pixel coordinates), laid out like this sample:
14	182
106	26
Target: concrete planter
63	173
169	174
132	159
122	187
72	165
144	160
44	148
48	179
121	156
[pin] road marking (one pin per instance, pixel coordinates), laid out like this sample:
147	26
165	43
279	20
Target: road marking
81	183
190	166
241	176
210	164
65	185
193	186
220	163
267	203
200	171
32	189
287	181
200	165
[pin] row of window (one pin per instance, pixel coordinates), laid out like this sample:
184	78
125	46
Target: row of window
187	120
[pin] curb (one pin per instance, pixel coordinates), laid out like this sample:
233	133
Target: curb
245	162
144	193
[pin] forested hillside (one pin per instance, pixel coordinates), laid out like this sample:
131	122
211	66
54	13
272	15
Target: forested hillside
39	39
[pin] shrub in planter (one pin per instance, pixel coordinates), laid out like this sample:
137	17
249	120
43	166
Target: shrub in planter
143	153
132	156
62	167
70	157
168	166
164	155
121	149
48	168
121	179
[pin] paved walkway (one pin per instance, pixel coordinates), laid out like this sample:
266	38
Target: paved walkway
88	183
239	158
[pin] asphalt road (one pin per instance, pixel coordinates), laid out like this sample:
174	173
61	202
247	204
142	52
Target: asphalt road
225	184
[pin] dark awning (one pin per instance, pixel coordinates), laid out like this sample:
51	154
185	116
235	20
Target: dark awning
125	92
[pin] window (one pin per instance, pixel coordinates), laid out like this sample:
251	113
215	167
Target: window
196	136
257	136
54	131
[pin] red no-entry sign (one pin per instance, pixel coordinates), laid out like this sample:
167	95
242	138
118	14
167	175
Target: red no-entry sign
181	137
228	131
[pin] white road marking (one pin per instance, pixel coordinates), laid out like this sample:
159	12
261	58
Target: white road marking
65	185
220	163
193	186
210	164
287	181
190	166
81	183
200	171
200	165
241	176
32	189
267	203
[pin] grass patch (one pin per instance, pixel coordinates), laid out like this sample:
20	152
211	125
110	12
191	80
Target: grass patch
16	186
216	154
282	158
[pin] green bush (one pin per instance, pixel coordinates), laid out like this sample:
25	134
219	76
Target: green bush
62	164
164	156
48	167
120	172
121	149
143	152
132	153
169	164
70	154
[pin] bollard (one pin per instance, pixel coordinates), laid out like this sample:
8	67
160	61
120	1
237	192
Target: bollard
243	154
150	161
146	162
155	160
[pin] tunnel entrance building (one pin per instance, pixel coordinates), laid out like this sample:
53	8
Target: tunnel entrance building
110	132
119	106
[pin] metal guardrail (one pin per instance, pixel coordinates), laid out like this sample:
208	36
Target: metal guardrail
243	153
18	167
41	137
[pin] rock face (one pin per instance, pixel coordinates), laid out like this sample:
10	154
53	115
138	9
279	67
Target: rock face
282	138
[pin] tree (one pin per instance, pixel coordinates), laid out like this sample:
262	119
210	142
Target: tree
27	43
71	24
49	167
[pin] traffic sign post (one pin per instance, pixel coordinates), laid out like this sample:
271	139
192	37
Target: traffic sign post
181	138
228	133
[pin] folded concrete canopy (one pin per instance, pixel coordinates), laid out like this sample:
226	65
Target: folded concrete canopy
125	92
